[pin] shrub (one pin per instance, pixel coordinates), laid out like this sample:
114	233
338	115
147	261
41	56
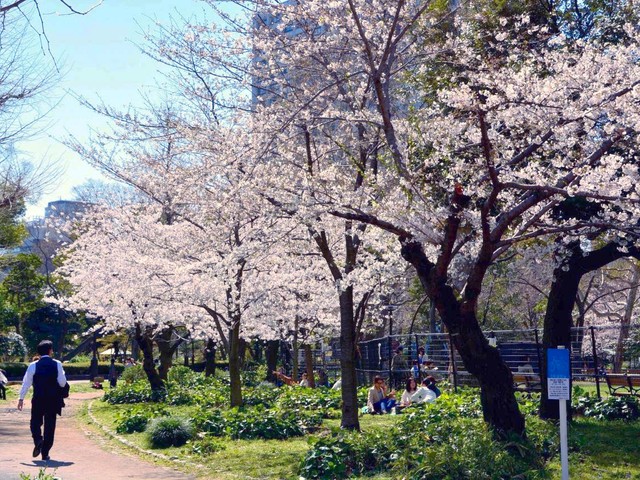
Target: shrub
134	423
253	377
41	475
260	396
166	432
136	392
612	408
18	369
205	446
256	423
183	375
348	453
135	419
133	374
293	398
455	449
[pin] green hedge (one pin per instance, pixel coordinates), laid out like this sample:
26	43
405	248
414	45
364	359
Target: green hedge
19	369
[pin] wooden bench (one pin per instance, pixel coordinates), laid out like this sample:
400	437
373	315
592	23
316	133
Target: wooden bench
526	382
623	384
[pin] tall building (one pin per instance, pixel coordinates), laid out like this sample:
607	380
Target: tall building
45	237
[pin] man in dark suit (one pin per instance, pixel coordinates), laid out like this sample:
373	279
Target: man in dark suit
49	381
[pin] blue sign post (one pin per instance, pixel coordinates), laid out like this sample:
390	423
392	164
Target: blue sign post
559	388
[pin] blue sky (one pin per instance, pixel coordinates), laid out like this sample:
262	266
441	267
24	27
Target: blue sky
99	59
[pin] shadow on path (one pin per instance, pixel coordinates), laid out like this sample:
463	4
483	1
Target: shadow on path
79	456
47	464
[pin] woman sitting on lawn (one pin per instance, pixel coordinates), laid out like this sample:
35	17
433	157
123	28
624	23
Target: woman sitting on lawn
379	400
305	380
430	383
411	388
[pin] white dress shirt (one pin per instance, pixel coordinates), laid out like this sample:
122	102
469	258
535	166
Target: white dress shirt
27	381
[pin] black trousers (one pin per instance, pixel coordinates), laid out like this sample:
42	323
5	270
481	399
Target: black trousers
43	414
3	392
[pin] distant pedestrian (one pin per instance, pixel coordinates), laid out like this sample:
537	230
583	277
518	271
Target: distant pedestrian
49	390
3	382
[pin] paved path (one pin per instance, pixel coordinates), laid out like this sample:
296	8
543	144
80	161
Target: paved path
76	454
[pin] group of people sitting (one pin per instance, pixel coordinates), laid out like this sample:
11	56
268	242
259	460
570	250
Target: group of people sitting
320	379
381	400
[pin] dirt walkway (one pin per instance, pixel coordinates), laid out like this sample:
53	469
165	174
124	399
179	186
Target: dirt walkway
74	455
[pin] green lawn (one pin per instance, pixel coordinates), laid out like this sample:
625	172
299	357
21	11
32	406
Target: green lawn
599	450
602	451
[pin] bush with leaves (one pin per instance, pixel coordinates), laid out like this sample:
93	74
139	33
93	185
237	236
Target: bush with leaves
258	422
135	419
292	398
612	408
133	374
167	432
260	396
41	475
136	392
204	446
444	439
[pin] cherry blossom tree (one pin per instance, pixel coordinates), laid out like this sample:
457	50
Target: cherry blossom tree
459	175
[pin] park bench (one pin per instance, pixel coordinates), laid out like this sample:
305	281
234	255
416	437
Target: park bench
623	384
526	382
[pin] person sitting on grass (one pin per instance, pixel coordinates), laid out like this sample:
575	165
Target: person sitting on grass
423	394
305	380
379	401
287	380
430	383
410	389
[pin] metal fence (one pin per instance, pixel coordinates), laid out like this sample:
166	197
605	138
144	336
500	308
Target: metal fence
595	351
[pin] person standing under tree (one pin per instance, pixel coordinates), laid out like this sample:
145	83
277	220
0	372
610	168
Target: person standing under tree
49	389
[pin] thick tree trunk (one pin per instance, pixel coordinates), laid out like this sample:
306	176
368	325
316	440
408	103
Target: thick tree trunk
558	320
234	365
210	358
166	349
308	360
626	319
499	404
146	346
295	373
557	330
242	352
348	362
135	349
63	334
272	358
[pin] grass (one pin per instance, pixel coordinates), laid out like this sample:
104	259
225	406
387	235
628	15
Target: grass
12	393
598	450
602	451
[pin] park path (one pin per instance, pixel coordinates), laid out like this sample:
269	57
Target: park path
75	455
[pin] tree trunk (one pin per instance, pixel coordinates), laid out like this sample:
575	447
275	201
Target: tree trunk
63	334
557	330
144	342
242	352
497	395
135	349
166	350
210	358
626	319
308	360
295	373
558	320
234	365
348	362
272	358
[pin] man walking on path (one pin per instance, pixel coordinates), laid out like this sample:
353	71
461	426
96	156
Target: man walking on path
49	381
